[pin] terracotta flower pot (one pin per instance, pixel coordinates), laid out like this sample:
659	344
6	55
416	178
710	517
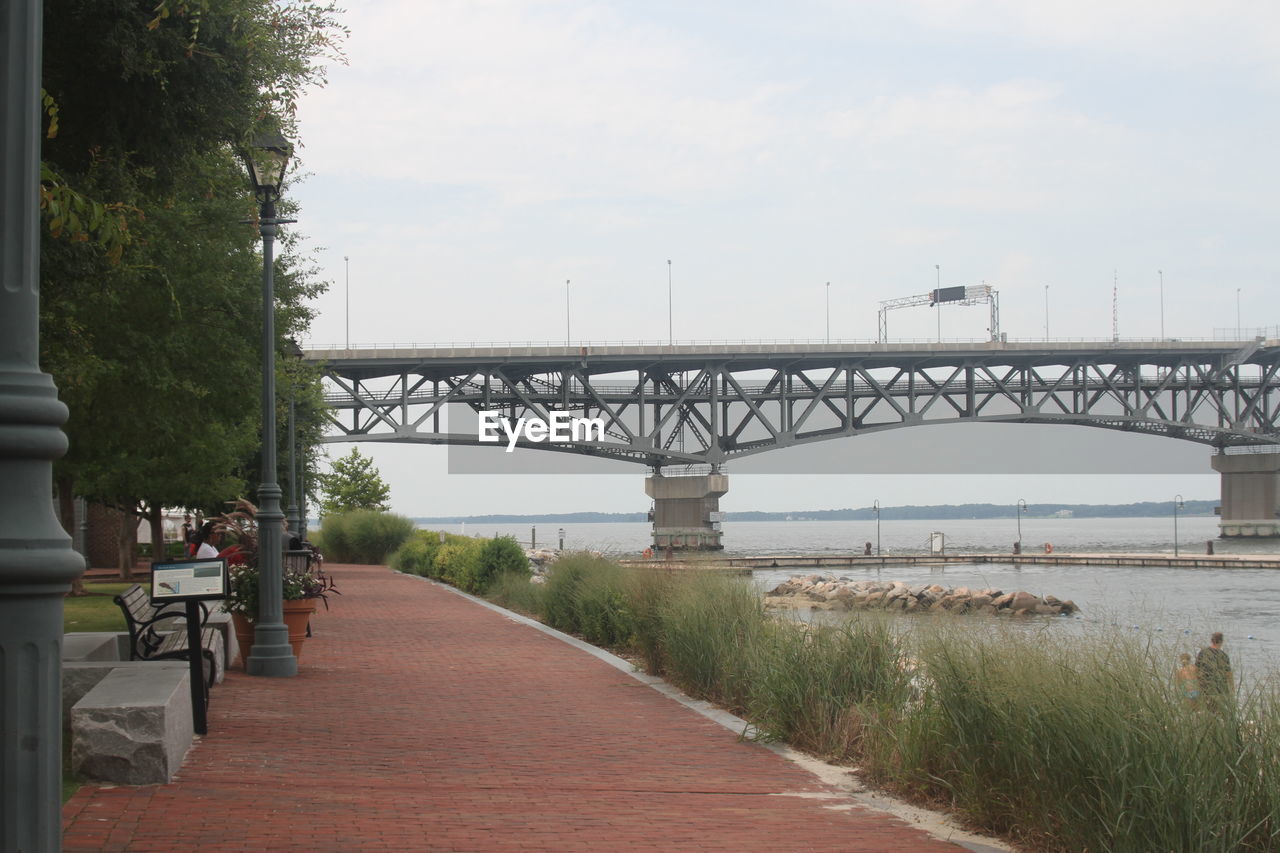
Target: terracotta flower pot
296	616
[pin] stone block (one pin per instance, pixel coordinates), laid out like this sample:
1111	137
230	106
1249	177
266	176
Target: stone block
87	645
134	727
78	678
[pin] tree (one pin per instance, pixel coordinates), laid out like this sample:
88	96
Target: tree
353	484
153	339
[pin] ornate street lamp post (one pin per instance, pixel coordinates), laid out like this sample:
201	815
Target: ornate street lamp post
37	563
272	655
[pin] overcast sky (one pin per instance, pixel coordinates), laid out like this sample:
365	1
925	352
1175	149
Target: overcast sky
476	155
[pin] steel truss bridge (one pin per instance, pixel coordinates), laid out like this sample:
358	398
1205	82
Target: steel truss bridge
711	404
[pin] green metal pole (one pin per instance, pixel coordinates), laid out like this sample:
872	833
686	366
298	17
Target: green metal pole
37	563
272	655
293	516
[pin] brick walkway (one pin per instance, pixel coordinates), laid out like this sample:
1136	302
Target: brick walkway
422	721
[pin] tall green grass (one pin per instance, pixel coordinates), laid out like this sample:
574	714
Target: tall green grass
1061	742
364	536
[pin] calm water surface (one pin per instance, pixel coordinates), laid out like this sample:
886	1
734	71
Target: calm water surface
1183	605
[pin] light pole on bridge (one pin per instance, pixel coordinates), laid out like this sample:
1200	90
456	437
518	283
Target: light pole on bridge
828	312
671	338
937	300
567	336
1161	273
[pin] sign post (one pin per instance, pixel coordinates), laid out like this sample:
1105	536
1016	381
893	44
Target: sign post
192	582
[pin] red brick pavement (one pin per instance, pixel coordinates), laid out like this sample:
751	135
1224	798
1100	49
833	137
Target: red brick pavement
422	721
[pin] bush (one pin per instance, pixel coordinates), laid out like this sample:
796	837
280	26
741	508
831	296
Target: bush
458	562
499	556
364	536
415	556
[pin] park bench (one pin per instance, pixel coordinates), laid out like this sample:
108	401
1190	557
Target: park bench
149	641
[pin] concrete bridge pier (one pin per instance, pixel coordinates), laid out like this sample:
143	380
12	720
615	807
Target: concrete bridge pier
1250	492
686	511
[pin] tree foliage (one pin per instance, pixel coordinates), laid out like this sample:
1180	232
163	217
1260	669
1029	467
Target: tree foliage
150	279
354	483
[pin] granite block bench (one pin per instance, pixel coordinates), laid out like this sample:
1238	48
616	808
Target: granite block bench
133	726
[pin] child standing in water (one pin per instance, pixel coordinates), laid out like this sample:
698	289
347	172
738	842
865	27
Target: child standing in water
1188	679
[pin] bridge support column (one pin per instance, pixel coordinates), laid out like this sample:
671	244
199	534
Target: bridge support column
686	511
1250	494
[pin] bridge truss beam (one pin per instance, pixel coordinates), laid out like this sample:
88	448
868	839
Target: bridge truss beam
663	407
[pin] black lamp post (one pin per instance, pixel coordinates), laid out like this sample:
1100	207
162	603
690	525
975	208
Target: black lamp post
272	655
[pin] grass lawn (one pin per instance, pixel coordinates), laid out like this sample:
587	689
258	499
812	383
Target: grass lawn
95	611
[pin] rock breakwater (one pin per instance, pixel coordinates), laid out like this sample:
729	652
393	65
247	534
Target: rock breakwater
831	593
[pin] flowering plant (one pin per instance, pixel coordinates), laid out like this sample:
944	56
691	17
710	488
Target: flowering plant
241	525
242	596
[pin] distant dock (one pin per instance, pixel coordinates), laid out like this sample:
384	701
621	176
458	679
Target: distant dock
817	562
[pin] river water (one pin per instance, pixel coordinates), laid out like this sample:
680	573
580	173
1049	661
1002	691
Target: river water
1178	604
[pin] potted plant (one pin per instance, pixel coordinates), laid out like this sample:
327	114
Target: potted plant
302	590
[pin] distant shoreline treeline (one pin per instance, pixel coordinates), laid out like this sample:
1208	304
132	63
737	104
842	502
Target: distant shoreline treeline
1144	509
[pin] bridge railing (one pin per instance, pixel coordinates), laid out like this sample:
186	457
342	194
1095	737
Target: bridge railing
1274	332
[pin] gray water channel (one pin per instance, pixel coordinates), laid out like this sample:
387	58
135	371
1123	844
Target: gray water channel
1181	604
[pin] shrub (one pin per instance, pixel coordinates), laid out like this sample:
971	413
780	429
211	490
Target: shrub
458	562
499	556
364	536
415	556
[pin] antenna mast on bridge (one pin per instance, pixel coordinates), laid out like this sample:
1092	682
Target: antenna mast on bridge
973	295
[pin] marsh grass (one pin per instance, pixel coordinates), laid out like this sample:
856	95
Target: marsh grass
587	595
711	631
514	592
1061	741
815	685
1080	743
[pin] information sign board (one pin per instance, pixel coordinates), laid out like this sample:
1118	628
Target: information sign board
189	580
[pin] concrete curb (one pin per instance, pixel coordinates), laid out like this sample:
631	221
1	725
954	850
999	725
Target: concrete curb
844	779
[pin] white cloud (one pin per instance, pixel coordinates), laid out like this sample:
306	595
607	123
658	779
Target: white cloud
1170	33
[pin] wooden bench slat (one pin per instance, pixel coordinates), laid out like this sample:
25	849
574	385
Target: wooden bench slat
147	643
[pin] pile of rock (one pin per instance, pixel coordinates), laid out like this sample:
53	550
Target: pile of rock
832	593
